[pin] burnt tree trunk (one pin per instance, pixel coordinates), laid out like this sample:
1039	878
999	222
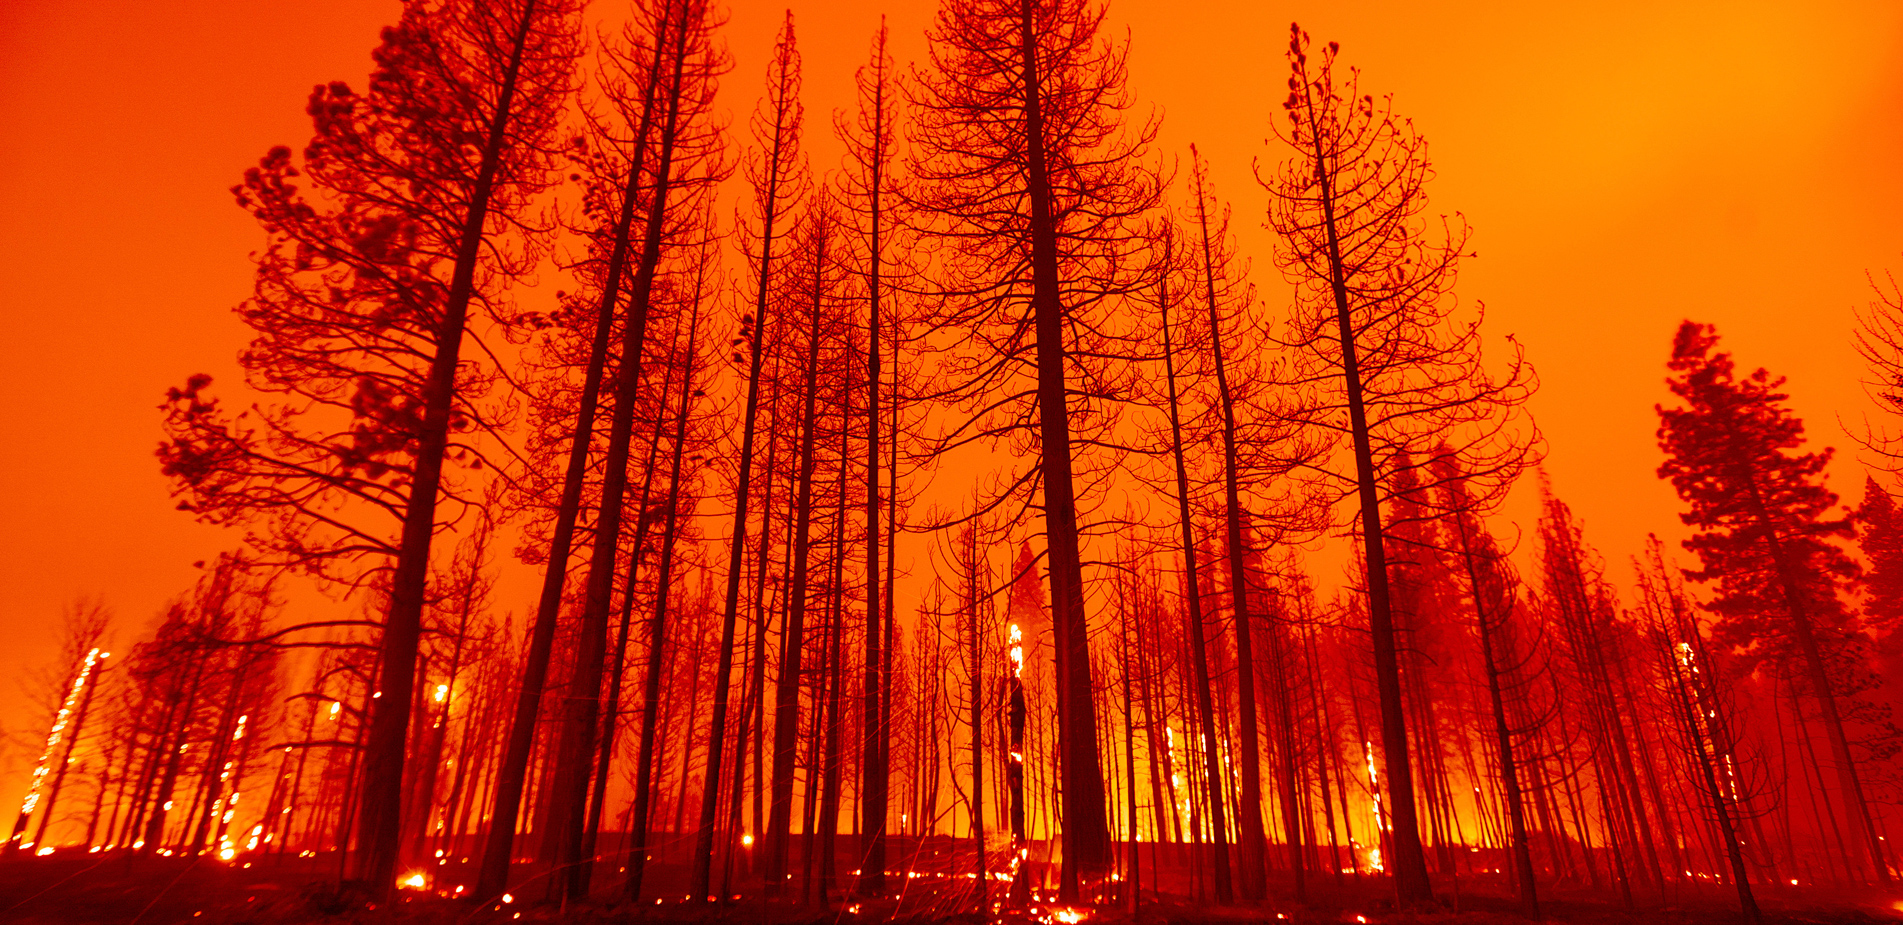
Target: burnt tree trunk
492	878
1086	845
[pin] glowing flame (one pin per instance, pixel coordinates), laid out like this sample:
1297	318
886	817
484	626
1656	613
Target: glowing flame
60	721
747	840
442	692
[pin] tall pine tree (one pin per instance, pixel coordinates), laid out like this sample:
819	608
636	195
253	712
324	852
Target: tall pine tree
1765	537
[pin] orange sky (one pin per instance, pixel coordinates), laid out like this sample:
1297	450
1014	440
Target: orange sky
1734	162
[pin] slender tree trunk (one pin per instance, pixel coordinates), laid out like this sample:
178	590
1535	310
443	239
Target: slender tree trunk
657	627
379	822
1199	659
786	696
499	849
1690	712
974	564
1020	889
1254	839
1503	735
835	679
584	703
617	662
753	699
72	743
212	792
1085	840
1409	863
874	772
175	757
704	840
1133	878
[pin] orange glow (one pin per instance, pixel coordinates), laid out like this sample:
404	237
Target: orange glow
1623	167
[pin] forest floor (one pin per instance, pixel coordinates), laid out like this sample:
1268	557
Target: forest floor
117	890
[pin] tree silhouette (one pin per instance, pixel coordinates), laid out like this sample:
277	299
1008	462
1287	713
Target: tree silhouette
1492	588
686	160
1700	714
865	191
1023	166
362	305
1372	331
651	89
1764	536
1193	594
777	175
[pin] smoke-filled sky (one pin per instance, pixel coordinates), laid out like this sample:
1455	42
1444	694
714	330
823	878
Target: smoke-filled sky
1623	167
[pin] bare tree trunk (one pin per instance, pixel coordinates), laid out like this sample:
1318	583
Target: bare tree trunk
175	756
1199	659
642	813
873	767
492	877
1085	840
974	565
1133	878
786	697
379	822
777	171
1409	865
72	743
834	677
1483	598
1697	713
1254	839
570	787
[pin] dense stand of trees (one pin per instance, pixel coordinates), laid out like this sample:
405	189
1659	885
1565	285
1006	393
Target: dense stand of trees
1118	670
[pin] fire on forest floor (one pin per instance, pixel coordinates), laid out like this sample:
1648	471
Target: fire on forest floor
118	889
